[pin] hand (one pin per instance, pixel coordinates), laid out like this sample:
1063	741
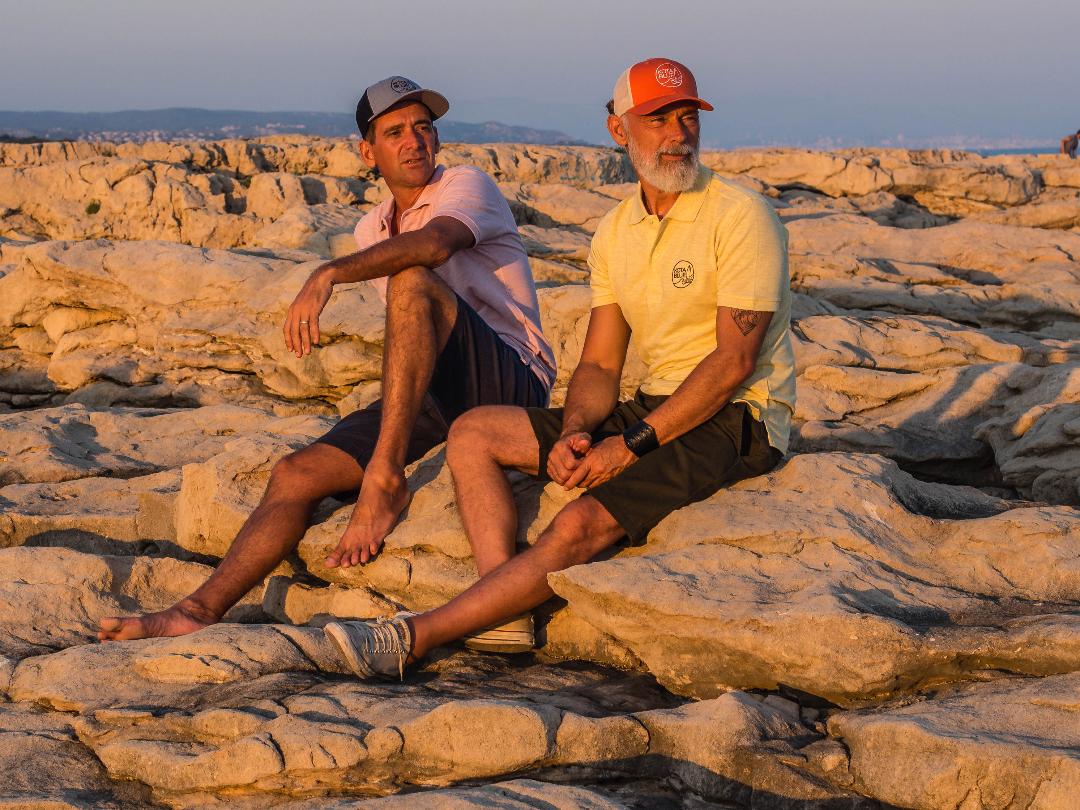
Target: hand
604	461
566	454
302	321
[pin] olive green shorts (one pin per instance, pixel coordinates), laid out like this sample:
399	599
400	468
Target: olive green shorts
730	446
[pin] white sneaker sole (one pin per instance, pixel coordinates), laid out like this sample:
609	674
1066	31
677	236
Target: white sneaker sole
515	636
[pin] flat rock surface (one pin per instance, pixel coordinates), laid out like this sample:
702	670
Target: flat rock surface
61	444
1011	743
52	598
516	794
1023	279
43	764
126	321
890	618
258	707
888	585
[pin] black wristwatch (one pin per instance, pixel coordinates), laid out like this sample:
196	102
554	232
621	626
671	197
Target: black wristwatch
640	438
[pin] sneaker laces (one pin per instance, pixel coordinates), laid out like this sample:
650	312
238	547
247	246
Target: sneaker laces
387	638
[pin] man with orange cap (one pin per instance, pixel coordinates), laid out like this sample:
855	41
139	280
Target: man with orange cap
693	269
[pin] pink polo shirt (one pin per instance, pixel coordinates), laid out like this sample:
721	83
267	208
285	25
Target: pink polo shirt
493	276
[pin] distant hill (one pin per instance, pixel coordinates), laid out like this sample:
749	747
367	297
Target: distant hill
192	123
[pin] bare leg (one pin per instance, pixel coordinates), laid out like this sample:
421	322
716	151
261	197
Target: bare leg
297	483
482	443
578	533
420	314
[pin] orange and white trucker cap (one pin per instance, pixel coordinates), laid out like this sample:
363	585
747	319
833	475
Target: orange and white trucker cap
654	83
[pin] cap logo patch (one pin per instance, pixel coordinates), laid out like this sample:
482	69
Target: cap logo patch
682	274
669	75
401	86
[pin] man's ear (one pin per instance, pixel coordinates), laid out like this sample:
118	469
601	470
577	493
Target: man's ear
617	130
438	143
367	152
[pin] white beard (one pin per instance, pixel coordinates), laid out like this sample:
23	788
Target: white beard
670	179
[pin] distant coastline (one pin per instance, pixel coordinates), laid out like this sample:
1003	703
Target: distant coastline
197	124
1035	150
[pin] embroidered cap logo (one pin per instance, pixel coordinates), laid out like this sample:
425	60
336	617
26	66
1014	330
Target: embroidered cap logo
669	75
682	274
400	86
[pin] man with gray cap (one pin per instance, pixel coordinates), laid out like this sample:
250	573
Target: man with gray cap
462	330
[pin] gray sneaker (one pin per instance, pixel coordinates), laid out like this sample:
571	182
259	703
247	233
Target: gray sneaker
374	649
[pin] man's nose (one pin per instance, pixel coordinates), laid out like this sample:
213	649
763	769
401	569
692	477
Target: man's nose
678	131
416	139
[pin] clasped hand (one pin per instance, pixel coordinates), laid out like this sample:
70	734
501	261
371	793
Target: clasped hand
574	461
302	321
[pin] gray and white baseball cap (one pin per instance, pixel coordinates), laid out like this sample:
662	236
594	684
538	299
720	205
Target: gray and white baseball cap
383	95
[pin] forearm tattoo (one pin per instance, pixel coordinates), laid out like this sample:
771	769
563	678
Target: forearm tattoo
746	319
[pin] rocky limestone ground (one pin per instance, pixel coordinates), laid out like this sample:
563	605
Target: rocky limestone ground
889	619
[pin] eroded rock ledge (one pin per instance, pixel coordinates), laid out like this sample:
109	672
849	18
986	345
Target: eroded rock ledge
890	618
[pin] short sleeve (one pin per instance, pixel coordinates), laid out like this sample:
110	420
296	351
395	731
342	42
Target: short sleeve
366	232
599	278
471	197
751	259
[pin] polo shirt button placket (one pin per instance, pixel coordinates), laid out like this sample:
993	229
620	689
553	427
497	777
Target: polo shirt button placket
654	285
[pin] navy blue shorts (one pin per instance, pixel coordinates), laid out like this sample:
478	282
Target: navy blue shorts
476	367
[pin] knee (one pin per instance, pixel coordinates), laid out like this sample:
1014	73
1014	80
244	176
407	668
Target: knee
417	291
467	437
292	476
411	283
579	532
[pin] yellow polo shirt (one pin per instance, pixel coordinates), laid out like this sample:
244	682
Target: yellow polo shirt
720	245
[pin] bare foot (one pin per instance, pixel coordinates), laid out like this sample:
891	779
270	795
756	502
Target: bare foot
182	618
383	497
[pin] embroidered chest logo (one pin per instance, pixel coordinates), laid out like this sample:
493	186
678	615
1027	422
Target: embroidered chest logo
682	274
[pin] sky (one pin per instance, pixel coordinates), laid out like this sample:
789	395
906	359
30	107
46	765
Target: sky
777	71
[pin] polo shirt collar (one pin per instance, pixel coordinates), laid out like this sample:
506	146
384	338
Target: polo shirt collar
689	203
386	214
686	207
637	207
